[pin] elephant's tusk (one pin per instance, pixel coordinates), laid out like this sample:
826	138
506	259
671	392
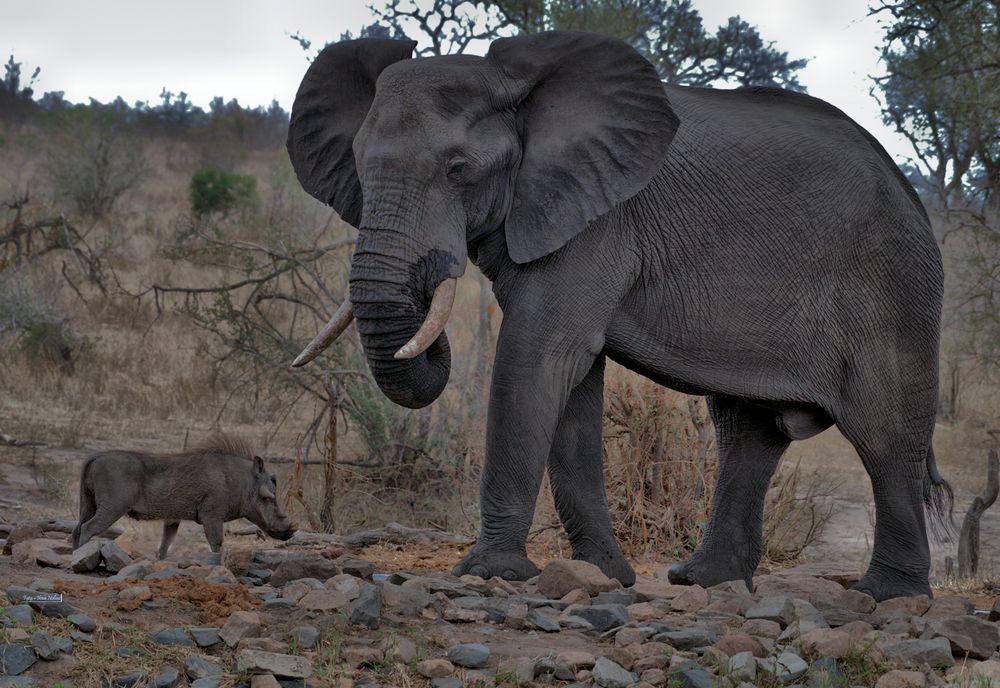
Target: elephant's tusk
437	316
333	329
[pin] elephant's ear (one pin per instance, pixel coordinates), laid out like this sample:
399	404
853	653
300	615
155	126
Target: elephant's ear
329	107
595	125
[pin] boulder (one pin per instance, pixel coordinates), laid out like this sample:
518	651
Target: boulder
968	635
15	659
323	601
694	599
239	626
367	610
435	668
608	674
87	557
260	662
304	565
563	575
21	533
115	558
469	655
902	679
916	652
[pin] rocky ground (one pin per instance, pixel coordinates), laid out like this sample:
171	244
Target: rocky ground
314	613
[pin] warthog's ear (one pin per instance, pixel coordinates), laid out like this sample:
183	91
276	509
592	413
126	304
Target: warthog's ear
258	465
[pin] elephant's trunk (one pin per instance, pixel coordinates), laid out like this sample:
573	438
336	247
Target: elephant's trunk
400	295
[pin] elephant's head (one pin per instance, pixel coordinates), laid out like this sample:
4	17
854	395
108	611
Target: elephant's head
536	139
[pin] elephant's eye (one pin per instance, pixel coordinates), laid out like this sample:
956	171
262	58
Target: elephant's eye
456	168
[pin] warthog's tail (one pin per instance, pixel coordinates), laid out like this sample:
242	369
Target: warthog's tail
939	501
88	504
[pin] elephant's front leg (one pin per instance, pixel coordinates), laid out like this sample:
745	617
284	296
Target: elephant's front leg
532	380
576	472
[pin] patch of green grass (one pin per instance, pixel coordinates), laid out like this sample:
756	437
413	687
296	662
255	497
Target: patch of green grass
327	662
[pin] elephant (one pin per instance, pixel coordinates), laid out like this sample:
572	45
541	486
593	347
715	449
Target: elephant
754	245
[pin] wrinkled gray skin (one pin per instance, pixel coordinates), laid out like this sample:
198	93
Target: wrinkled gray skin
208	486
754	245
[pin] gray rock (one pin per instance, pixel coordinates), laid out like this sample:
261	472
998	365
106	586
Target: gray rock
239	626
608	674
914	653
128	680
743	666
205	637
787	666
49	647
128	652
172	636
199	667
968	635
139	569
368	607
995	611
18	594
355	566
305	636
278	603
207	682
168	678
82	621
12	681
538	620
81	637
87	557
446	682
613	597
17	615
405	601
115	558
305	565
271	662
603	616
15	658
469	655
777	608
690	675
688	638
576	623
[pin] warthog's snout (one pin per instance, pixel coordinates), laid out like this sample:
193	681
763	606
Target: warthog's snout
284	534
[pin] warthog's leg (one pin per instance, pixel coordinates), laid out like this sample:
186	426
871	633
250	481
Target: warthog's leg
213	533
101	521
169	533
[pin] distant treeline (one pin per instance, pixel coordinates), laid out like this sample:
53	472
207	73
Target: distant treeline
256	127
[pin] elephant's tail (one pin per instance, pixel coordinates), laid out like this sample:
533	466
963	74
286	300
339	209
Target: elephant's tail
939	501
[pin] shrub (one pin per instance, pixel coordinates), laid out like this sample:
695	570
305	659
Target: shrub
218	191
27	321
93	160
660	463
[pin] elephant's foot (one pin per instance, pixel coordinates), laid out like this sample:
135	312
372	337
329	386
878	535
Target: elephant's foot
883	583
706	571
513	566
610	560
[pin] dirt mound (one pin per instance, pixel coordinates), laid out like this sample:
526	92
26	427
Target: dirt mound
213	600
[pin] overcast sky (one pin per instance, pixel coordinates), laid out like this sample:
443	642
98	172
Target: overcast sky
240	48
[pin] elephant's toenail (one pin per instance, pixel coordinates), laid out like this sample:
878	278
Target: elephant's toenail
479	570
509	574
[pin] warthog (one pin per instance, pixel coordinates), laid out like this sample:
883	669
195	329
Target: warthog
215	482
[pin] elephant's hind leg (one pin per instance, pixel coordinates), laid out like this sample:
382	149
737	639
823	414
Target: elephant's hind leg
892	436
750	446
577	478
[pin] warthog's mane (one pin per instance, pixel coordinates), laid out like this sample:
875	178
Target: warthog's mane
221	443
